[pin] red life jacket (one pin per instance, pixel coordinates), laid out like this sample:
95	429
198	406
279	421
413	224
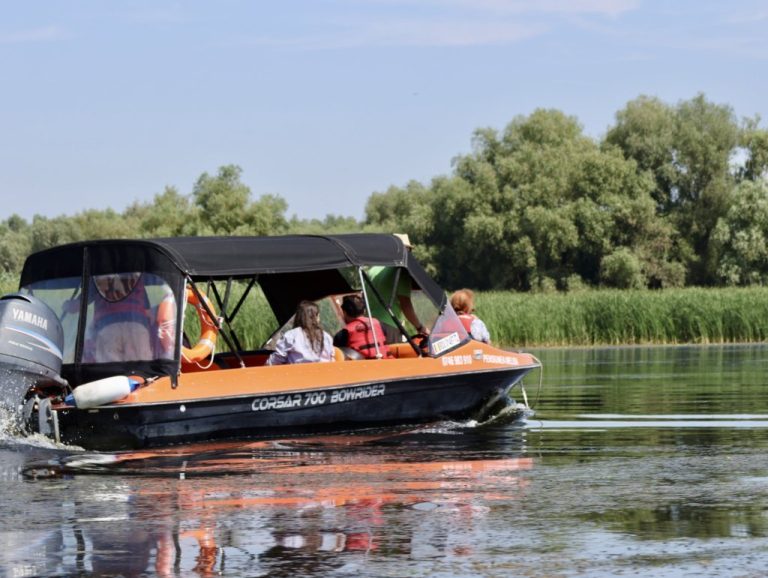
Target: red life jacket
466	320
132	307
361	337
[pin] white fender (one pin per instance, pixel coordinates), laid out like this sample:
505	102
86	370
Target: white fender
102	391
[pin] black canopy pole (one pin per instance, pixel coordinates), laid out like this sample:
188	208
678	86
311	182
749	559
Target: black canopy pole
223	308
216	320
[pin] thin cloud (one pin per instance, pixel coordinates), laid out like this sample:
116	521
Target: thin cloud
552	7
393	32
172	14
555	7
34	35
748	17
406	33
448	33
440	23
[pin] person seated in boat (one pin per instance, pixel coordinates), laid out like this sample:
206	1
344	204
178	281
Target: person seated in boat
398	298
121	319
361	332
306	342
120	324
463	303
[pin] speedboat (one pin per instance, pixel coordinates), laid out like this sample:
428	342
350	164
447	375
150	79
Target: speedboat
183	360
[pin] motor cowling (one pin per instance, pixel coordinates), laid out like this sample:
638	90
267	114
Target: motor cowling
31	339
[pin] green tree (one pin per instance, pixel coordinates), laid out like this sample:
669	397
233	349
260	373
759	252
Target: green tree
537	206
741	236
226	209
222	200
688	150
622	269
170	214
645	132
754	141
330	225
15	244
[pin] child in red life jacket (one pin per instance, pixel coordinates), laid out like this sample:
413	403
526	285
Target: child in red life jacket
360	329
463	303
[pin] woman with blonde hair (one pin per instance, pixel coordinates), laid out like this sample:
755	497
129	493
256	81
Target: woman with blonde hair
306	342
463	303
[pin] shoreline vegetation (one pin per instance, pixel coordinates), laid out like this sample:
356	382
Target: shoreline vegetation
603	317
590	317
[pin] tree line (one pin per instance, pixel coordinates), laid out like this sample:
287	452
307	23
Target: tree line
671	195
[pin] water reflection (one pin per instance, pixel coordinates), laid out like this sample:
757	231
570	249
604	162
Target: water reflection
685	520
271	508
639	461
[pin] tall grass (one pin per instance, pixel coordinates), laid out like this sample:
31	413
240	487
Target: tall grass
612	317
253	324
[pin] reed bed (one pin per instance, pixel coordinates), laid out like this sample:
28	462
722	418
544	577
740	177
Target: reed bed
613	317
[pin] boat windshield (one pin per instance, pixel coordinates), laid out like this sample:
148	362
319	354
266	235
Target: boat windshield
447	333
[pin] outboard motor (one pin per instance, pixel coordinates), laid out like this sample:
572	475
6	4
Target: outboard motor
31	345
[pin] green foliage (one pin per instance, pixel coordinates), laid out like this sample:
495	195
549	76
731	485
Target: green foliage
688	149
741	236
530	209
330	225
9	283
225	207
644	131
622	269
755	142
170	214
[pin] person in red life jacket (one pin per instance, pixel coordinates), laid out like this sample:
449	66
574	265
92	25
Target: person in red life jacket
120	324
360	330
463	303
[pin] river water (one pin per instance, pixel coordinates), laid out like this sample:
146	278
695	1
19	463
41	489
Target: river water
638	462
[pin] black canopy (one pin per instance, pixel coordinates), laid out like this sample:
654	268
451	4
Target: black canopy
229	257
288	268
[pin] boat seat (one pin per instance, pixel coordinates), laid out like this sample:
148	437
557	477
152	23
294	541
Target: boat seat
338	354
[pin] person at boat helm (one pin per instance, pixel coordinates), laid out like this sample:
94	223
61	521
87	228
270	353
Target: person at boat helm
361	333
383	279
463	303
121	322
306	342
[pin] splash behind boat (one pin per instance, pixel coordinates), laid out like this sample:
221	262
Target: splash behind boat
176	377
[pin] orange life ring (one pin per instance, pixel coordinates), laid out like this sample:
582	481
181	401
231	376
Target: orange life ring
166	325
206	346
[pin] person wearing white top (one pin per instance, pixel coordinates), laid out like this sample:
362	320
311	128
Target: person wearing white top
463	303
306	342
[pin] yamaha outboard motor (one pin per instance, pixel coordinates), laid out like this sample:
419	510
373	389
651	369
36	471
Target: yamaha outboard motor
31	345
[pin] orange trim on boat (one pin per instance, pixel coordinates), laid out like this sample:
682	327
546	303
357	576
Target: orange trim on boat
265	380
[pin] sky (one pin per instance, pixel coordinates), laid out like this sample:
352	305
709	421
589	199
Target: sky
324	102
